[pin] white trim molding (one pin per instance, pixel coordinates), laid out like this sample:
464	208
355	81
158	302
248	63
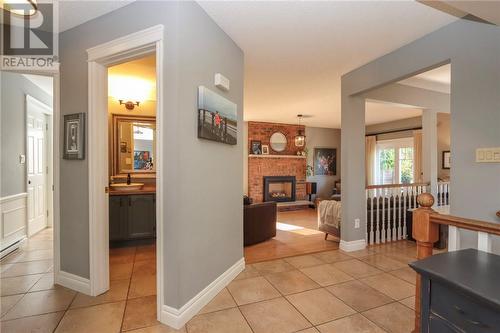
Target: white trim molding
100	57
177	318
72	281
351	246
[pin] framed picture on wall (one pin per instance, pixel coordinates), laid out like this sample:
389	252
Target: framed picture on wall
446	159
325	161
74	136
265	150
256	147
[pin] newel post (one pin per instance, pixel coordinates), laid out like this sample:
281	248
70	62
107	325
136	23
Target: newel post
426	234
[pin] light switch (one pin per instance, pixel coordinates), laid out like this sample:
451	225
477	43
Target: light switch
488	155
22	159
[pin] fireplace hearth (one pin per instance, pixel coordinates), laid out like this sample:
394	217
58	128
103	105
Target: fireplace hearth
279	188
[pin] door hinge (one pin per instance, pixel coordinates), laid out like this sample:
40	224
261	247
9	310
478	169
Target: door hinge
47	169
46	127
47	213
53	188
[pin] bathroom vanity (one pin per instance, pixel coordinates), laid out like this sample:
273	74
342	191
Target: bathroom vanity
132	214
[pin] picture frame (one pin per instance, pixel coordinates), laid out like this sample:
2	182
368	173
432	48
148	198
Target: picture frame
446	164
265	149
217	117
325	161
74	136
256	147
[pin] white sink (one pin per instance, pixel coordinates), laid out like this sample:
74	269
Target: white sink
126	187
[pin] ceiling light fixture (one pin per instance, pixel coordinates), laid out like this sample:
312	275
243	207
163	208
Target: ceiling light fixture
300	138
22	8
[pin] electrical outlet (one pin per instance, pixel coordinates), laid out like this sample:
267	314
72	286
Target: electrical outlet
356	223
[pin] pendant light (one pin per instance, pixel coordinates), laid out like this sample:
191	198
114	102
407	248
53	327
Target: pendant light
300	138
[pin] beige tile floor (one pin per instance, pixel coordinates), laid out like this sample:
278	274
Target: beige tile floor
333	291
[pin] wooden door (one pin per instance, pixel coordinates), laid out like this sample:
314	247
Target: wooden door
37	169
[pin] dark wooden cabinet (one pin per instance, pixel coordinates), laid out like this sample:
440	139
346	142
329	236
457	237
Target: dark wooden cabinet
460	292
132	217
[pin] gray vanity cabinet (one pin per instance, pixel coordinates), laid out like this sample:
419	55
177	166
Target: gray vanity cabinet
132	217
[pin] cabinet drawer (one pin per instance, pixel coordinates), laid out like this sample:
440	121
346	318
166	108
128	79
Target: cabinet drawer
463	311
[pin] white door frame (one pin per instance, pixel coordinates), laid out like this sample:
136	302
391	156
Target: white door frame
48	149
56	163
99	59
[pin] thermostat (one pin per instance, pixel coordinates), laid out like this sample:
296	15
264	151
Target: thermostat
221	82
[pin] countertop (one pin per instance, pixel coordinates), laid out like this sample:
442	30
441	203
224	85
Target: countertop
146	189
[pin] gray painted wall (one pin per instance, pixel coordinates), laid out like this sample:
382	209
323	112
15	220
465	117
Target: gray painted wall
475	104
14	88
323	138
203	233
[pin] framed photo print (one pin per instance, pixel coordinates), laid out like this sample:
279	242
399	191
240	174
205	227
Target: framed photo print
256	147
74	136
265	150
325	161
446	159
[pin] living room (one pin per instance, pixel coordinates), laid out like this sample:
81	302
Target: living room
291	167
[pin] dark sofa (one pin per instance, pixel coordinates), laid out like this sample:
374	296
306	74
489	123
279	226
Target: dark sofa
259	222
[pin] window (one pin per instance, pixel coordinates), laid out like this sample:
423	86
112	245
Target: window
394	161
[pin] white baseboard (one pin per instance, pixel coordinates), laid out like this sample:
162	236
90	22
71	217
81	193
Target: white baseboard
72	281
177	318
351	246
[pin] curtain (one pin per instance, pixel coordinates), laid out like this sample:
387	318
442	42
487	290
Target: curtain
370	154
417	156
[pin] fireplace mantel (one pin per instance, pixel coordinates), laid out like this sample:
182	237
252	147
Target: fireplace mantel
275	156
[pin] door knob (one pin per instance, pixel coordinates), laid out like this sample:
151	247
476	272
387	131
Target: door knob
29	182
106	189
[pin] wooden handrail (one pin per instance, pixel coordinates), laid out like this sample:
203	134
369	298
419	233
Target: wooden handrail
463	223
371	187
426	232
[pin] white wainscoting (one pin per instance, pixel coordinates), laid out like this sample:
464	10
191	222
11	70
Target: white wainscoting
13	221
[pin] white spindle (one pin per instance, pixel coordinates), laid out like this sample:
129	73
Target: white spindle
453	238
377	226
405	198
370	192
400	225
394	220
483	241
382	227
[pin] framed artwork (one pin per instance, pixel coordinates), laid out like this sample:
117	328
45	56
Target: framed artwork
446	159
256	147
265	150
217	117
325	161
74	136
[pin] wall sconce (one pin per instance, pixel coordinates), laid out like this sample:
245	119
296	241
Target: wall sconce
129	105
130	91
300	138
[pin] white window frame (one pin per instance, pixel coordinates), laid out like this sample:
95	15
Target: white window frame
396	144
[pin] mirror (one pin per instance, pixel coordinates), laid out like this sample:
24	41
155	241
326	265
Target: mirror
134	145
278	141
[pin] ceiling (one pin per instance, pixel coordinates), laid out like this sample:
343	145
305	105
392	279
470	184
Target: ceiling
296	52
382	112
43	82
75	12
438	79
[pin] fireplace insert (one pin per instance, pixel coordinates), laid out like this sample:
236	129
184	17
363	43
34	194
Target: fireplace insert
279	188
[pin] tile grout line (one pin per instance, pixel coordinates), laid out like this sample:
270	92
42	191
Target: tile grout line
128	291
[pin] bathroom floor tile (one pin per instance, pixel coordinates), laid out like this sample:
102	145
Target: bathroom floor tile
45	323
390	285
222	301
252	290
117	292
326	275
225	321
140	312
359	296
394	318
352	324
291	282
96	319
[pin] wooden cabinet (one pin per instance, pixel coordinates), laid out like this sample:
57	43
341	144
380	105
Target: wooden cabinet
132	217
459	292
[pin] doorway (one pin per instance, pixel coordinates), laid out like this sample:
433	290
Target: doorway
100	58
39	165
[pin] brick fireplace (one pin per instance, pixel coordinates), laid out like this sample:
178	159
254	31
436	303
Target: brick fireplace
284	164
